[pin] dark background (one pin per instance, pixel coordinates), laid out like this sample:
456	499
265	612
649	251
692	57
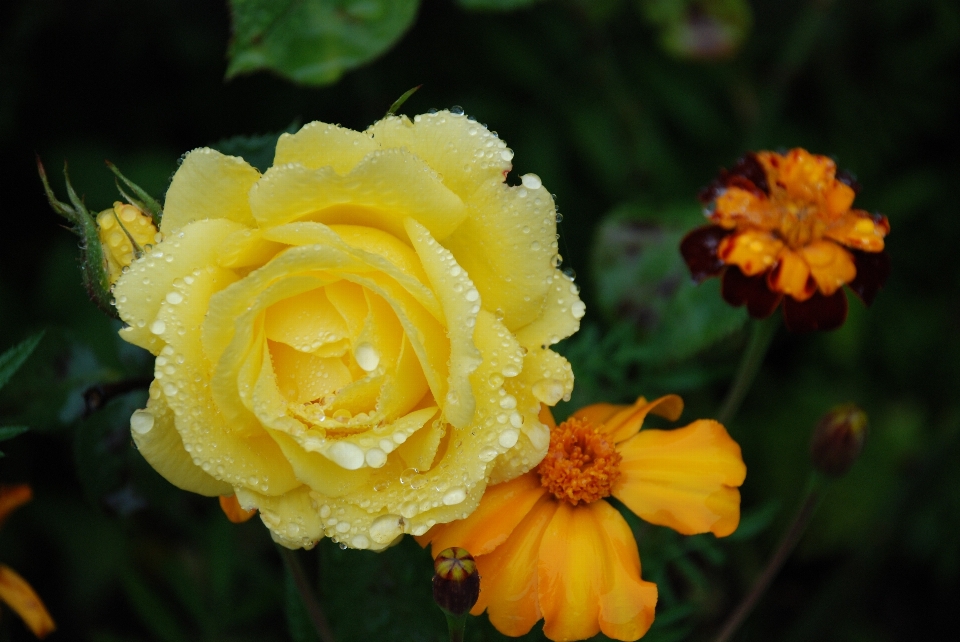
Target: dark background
589	101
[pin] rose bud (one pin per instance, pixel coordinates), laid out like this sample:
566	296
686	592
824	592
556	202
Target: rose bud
838	439
456	582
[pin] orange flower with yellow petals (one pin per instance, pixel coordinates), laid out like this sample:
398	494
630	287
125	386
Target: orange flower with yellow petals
547	545
783	230
15	591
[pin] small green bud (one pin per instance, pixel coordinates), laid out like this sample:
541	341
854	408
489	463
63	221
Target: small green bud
456	582
838	439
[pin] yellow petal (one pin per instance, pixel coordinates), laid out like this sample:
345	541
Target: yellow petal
830	264
464	152
753	251
686	478
627	602
305	322
144	287
559	318
246	248
320	145
568	572
305	377
291	517
20	596
208	185
383	190
232	509
508	575
155	434
623	422
461	303
791	275
507	244
502	508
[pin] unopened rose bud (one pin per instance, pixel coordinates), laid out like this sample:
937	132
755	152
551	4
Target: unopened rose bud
125	230
456	582
838	439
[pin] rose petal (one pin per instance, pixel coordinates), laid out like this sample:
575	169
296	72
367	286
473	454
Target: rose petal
318	145
559	318
686	478
209	185
291	517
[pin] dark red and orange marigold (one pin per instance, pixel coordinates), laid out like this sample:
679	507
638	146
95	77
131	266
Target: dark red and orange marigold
783	230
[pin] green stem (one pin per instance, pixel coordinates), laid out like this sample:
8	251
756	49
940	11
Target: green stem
784	549
456	625
760	338
310	603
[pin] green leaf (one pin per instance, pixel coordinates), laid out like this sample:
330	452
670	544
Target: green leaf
143	200
9	432
12	359
641	278
314	42
256	150
496	5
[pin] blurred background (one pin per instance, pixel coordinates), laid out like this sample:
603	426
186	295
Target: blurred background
625	109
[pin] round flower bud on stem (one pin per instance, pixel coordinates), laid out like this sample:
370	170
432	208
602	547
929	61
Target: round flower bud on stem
456	582
838	439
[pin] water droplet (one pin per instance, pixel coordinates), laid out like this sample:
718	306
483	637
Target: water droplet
141	422
407	476
508	402
531	181
367	357
454	496
487	454
360	541
472	294
535	246
507	155
559	217
347	455
549	391
386	528
343	546
158	327
510	370
174	298
456	110
375	458
508	438
455	270
578	309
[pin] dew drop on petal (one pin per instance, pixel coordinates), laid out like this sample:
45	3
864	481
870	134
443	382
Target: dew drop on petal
158	327
141	422
508	438
367	357
375	458
347	455
531	181
454	496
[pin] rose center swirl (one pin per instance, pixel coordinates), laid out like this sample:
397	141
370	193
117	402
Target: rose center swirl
581	465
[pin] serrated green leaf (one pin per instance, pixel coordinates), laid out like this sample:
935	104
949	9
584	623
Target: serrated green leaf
496	5
314	42
12	359
9	432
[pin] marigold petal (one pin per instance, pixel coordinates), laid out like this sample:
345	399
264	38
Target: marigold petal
509	575
289	193
627	602
624	421
204	172
319	144
12	498
819	312
873	269
753	251
858	230
502	508
686	478
155	434
830	265
20	596
233	510
569	573
791	275
738	289
699	249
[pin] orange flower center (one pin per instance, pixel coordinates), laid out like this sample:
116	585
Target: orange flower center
581	464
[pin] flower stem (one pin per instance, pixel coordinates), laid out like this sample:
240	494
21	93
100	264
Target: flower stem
456	625
760	337
784	549
314	611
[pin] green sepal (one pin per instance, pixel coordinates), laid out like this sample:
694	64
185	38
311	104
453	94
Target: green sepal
398	103
143	200
93	262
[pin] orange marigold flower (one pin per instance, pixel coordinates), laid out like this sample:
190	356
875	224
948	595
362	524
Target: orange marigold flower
15	591
548	546
783	230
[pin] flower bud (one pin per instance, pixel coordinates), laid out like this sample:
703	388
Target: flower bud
456	582
838	439
125	230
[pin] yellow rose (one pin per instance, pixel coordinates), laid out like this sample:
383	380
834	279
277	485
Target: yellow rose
358	341
116	227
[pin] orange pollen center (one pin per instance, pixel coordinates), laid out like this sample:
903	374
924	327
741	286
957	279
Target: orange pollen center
581	465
